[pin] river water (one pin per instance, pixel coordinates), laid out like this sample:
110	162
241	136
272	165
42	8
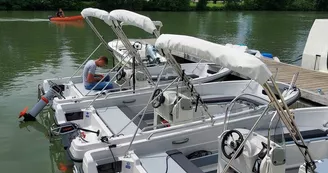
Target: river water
33	49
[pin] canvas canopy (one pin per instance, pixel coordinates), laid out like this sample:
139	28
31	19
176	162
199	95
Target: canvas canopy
97	13
134	19
237	61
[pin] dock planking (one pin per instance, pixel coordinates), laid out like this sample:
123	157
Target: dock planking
308	81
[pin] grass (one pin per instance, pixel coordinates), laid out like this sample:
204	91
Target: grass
210	5
217	5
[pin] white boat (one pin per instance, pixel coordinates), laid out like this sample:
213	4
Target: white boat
314	56
254	52
139	77
115	124
193	147
206	155
73	89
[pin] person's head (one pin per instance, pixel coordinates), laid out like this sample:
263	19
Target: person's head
102	61
60	9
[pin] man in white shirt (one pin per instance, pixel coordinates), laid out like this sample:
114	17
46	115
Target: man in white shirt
90	78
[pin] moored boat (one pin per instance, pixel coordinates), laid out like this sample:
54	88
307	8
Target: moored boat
69	18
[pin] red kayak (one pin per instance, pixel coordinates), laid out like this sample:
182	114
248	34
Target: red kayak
70	18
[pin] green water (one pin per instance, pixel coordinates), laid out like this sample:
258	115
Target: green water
32	49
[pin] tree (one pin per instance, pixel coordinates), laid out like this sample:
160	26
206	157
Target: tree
121	4
232	4
321	5
201	5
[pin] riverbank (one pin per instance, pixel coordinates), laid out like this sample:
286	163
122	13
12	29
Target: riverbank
167	5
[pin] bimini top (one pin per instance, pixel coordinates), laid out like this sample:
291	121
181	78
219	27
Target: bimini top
134	19
237	61
97	13
156	23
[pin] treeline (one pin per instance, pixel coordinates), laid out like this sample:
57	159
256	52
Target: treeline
151	5
40	4
279	5
166	5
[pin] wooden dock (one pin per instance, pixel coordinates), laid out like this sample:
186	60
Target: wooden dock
309	81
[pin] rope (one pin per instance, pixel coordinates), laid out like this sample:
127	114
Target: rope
299	57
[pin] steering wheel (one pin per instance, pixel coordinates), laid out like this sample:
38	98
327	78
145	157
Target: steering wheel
120	74
229	141
137	45
159	100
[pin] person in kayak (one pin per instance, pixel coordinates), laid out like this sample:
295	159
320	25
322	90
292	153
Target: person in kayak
60	13
90	78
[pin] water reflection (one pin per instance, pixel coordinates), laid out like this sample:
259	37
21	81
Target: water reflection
57	156
77	24
244	28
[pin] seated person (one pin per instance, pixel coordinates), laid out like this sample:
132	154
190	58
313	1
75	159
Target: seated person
60	13
90	78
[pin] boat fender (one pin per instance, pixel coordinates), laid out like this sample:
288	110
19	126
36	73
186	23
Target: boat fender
267	55
54	91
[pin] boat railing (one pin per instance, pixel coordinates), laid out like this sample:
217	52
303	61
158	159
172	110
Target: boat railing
187	122
112	52
86	60
232	103
286	117
131	51
151	100
269	130
110	71
102	90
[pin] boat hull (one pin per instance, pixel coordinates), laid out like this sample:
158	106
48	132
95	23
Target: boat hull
70	18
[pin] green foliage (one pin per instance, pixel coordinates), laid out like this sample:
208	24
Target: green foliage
167	5
305	5
120	4
40	4
251	5
232	4
201	5
321	5
265	4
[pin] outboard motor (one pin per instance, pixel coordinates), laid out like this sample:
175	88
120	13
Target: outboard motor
151	55
54	91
